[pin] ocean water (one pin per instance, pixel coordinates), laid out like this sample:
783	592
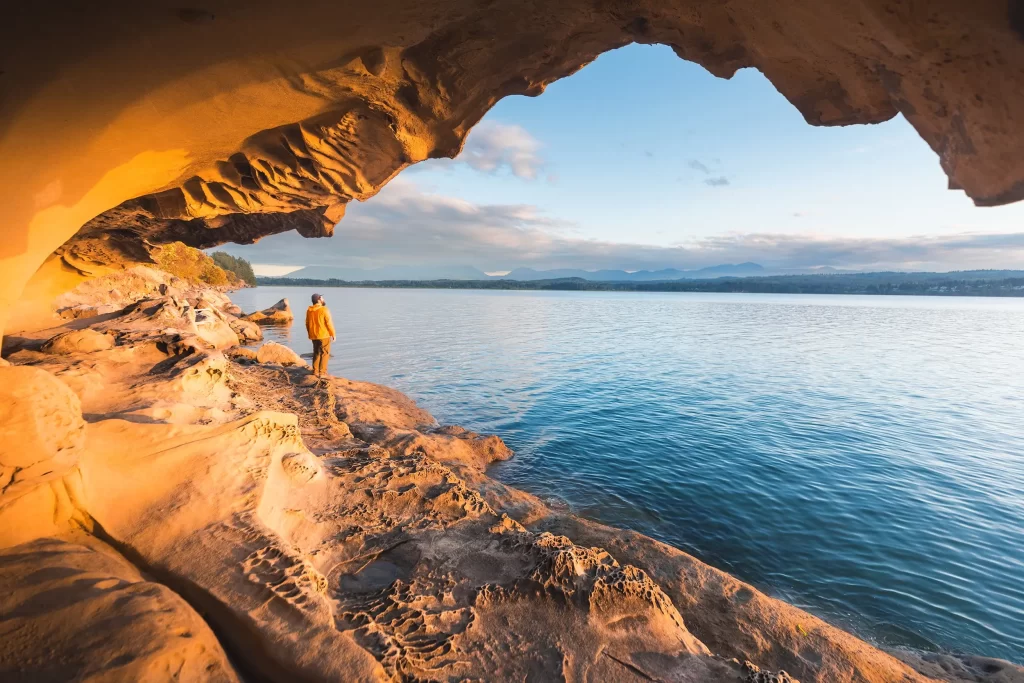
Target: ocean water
860	457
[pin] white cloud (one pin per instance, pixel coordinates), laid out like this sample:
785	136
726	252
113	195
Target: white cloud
492	146
404	225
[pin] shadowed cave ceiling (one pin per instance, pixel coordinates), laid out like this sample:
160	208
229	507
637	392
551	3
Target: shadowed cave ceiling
122	124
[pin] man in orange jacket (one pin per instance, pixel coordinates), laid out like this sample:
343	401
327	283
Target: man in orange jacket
321	332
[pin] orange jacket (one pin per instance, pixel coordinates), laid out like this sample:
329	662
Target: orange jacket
318	322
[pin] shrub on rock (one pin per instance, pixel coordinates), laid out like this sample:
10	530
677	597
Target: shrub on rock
193	266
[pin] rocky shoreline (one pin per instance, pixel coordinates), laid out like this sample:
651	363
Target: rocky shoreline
174	508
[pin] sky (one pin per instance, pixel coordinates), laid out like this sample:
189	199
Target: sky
643	161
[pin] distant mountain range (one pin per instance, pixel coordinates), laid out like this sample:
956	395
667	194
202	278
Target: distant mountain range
725	270
424	273
1007	283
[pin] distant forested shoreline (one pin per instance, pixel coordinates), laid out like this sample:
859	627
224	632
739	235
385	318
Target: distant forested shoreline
965	283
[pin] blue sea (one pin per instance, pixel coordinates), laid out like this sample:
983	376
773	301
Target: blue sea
860	457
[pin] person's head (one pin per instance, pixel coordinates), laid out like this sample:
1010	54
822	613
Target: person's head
317	299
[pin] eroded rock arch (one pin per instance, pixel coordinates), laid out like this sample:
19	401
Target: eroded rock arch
232	121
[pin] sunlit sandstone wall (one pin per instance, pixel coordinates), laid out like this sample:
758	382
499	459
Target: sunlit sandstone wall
228	121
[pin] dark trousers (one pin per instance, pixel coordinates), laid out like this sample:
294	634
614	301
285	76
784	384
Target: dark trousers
321	352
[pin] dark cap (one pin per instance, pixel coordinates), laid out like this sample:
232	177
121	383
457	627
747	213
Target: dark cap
316	297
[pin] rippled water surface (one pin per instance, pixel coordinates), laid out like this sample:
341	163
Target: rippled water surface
862	457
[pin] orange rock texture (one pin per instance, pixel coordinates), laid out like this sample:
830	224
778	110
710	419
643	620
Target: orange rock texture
332	530
229	122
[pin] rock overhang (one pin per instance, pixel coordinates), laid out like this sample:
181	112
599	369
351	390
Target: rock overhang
226	123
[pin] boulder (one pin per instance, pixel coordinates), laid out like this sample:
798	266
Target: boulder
214	329
246	330
272	352
278	314
78	341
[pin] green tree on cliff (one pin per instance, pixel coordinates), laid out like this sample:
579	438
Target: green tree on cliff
237	265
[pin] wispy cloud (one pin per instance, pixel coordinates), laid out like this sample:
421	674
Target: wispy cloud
716	181
699	166
404	225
